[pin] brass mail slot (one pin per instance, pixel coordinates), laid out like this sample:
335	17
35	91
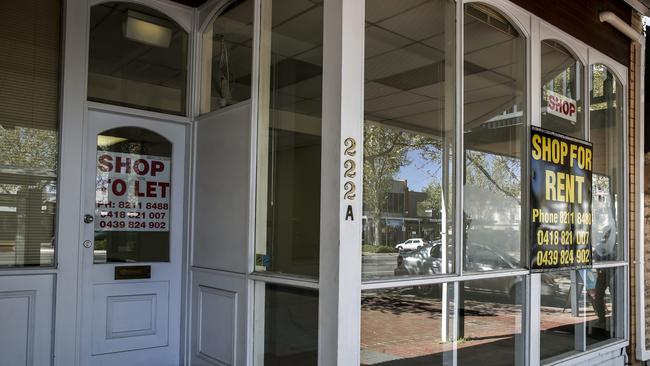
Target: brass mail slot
132	272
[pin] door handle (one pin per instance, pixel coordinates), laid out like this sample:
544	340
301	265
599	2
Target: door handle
87	243
88	219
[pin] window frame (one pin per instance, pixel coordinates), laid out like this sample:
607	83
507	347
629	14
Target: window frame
534	30
184	18
534	34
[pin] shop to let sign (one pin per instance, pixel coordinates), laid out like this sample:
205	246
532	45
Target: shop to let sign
562	106
560	189
132	192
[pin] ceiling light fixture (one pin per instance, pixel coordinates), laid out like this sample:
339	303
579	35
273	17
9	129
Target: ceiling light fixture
147	29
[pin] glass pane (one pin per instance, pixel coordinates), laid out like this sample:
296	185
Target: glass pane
289	145
290	326
646	233
603	294
137	58
29	128
407	326
562	90
490	331
132	196
409	139
578	311
562	313
494	127
227	57
606	120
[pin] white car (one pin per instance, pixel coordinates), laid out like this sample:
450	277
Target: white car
411	244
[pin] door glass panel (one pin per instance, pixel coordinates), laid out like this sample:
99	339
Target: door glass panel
132	196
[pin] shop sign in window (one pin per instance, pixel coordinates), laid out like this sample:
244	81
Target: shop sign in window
560	191
132	192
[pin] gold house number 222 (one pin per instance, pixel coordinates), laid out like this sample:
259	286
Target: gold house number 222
349	172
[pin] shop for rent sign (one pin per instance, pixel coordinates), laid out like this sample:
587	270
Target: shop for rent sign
561	218
132	192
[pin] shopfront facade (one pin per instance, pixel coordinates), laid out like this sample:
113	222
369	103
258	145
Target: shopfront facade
308	182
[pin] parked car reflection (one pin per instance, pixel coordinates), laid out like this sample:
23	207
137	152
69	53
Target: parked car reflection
428	261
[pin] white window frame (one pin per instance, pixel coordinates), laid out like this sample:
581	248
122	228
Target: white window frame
642	350
340	282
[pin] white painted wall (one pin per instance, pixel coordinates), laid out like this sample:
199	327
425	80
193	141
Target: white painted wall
26	319
219	312
220	237
221	194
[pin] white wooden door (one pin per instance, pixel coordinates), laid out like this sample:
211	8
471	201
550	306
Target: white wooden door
132	240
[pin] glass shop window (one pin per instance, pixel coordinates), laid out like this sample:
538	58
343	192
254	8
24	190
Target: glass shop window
289	144
29	129
408	326
606	133
409	139
579	310
493	134
227	57
290	326
562	90
137	58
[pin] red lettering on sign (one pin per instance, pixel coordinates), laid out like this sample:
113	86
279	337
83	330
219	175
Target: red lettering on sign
119	164
164	188
151	189
141	167
561	106
157	167
137	189
105	164
118	187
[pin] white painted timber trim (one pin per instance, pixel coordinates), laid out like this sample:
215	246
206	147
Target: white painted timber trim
339	310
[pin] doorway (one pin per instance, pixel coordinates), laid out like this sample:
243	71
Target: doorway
132	240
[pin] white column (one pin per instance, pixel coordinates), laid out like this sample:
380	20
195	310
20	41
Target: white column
70	195
341	194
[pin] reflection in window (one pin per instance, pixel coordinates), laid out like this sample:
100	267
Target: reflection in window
578	311
407	326
227	57
290	326
606	133
408	195
494	121
490	331
29	144
137	58
132	197
562	85
289	145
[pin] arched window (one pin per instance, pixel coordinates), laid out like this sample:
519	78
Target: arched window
137	58
494	129
227	57
606	133
562	90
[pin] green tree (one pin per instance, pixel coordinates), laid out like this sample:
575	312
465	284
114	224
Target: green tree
385	152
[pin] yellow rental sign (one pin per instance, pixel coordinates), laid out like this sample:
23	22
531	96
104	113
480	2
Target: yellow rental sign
560	201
